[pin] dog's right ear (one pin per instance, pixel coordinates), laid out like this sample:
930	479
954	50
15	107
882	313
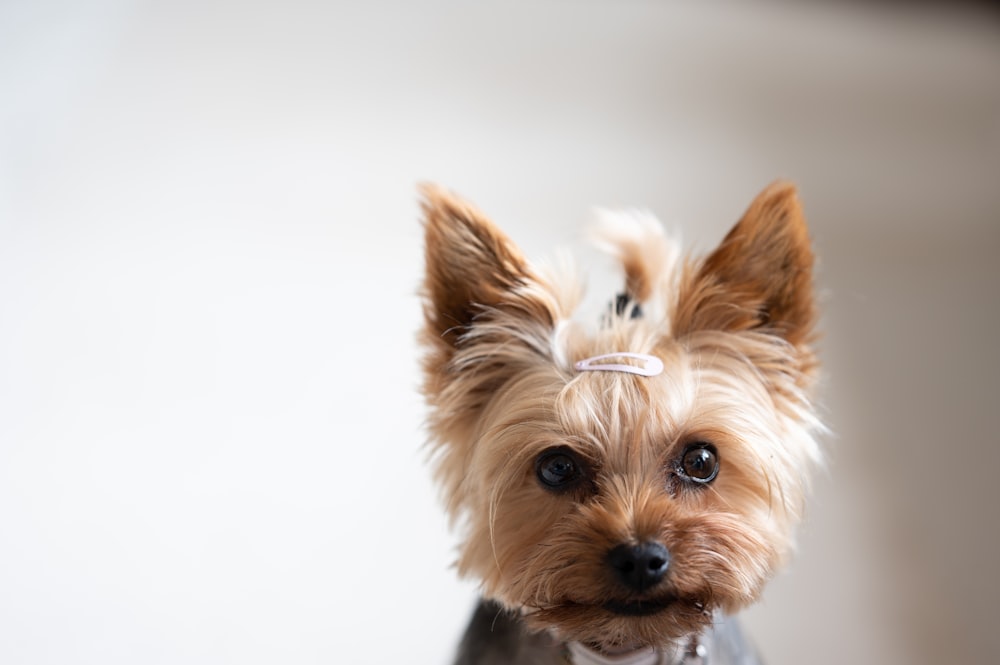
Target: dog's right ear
472	269
471	266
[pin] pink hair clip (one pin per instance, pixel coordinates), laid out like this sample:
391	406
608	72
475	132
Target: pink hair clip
651	365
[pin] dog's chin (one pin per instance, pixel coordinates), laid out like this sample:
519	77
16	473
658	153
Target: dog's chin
623	622
639	608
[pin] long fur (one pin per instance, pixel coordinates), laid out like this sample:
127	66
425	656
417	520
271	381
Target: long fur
735	331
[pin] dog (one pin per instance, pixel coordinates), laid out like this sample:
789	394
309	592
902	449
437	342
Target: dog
622	489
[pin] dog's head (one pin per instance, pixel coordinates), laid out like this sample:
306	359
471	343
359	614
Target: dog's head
607	498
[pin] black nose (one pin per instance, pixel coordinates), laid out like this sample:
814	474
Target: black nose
639	567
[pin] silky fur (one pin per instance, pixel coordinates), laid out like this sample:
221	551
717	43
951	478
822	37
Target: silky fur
735	331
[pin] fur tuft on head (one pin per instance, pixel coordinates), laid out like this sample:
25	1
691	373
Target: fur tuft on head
648	256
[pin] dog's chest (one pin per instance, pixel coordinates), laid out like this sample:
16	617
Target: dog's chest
495	637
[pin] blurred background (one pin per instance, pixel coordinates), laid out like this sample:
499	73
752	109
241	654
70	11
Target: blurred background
210	432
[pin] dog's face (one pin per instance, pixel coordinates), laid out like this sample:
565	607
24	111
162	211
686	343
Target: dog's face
615	508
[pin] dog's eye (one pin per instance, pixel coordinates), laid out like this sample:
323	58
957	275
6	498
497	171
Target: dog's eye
700	463
557	469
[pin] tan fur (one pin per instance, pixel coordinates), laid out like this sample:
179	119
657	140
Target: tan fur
734	331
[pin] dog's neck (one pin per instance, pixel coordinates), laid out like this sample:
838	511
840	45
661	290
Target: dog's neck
693	654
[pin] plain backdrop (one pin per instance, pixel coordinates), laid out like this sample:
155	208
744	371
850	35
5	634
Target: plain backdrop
210	431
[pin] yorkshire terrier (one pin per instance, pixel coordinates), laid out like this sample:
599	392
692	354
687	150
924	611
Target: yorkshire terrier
621	491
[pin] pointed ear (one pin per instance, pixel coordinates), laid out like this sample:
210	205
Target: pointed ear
760	277
471	267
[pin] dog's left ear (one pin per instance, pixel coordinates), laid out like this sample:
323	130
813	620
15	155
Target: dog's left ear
760	277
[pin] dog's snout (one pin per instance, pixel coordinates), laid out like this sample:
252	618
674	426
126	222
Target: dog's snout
639	567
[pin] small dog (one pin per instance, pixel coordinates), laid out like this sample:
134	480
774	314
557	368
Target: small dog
621	490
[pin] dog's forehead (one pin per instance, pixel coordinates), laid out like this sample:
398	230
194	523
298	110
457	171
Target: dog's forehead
616	411
626	418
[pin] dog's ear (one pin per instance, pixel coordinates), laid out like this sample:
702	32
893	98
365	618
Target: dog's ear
471	268
760	277
487	314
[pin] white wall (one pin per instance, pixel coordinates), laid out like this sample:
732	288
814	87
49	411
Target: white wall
209	249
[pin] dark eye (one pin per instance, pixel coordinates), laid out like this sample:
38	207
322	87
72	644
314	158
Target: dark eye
557	469
700	463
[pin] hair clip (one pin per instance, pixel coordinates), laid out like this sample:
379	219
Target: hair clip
651	364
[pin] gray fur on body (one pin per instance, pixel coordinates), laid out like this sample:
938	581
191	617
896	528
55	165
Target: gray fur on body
497	637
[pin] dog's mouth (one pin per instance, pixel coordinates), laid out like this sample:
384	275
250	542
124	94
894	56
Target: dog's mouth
623	622
623	608
639	608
